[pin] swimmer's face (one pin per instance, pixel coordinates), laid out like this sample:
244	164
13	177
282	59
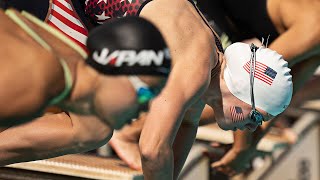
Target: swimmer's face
236	115
131	105
116	99
233	114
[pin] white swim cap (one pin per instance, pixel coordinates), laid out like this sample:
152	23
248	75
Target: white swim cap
272	84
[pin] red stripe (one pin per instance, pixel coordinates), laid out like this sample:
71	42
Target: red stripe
262	77
259	71
262	73
69	23
236	116
83	46
67	10
232	114
260	64
261	68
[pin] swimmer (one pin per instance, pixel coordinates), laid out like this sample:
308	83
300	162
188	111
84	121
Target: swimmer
281	24
197	54
101	95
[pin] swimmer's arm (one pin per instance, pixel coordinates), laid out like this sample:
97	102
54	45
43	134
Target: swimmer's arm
164	120
51	136
185	136
187	82
302	36
191	48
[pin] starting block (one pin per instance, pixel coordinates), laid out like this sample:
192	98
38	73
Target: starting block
71	167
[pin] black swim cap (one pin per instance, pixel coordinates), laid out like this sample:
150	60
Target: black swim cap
128	46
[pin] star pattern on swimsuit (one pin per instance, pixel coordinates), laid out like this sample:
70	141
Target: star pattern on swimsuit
105	1
102	10
102	18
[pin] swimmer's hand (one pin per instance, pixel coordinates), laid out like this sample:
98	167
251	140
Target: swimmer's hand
235	161
238	158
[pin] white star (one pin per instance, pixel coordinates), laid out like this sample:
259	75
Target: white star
130	1
105	1
103	16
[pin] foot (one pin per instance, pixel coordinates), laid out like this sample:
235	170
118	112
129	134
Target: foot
127	150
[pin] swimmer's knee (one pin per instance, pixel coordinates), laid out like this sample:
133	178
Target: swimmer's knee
104	138
97	140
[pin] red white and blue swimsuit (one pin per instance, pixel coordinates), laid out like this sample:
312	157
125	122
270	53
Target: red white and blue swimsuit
101	10
75	17
63	16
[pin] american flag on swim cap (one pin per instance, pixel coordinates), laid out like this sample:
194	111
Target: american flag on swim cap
64	18
236	113
262	72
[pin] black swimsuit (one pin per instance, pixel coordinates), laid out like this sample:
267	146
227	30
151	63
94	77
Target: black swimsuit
241	19
216	39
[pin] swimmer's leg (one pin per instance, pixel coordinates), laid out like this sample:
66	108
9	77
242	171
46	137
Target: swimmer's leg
51	136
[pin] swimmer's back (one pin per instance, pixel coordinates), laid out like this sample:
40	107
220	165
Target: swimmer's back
27	73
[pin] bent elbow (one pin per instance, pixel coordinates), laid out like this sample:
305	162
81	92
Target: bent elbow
154	156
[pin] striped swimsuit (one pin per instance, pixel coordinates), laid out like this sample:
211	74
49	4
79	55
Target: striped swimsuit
63	17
